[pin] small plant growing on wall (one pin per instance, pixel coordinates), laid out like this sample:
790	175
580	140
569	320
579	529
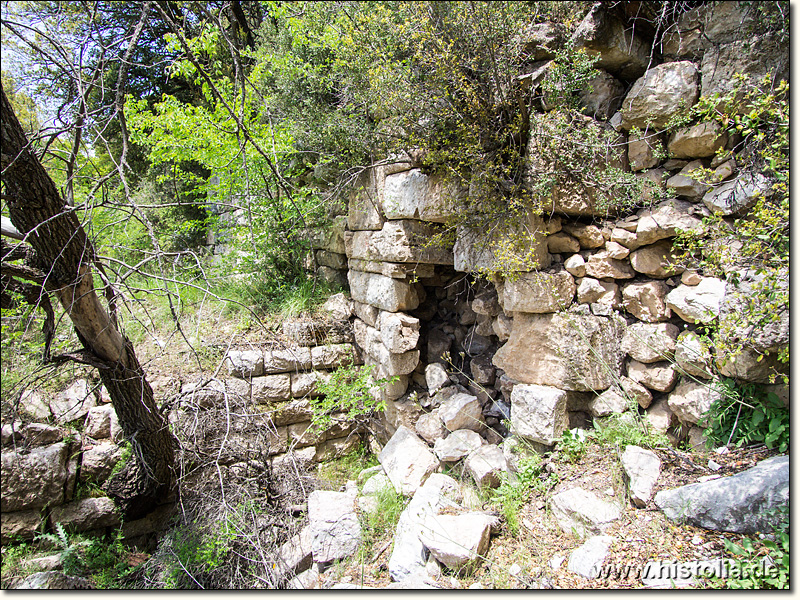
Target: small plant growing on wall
351	391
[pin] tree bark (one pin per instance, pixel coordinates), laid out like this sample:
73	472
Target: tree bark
66	255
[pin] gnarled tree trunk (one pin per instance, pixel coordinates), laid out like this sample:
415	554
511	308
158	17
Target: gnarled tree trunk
65	256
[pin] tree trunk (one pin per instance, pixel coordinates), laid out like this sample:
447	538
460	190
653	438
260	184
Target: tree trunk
66	255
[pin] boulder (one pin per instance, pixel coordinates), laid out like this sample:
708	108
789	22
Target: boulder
608	403
592	291
582	513
601	266
689	401
650	342
35	479
430	427
567	350
537	292
587	559
588	236
562	242
647	301
405	241
661	93
742	503
666	220
575	265
734	198
751	365
54	580
697	303
86	514
658	260
408	552
462	411
457	541
618	48
388	294
635	392
659	416
642	468
693	355
335	529
539	412
486	465
407	461
540	41
658	376
415	195
701	140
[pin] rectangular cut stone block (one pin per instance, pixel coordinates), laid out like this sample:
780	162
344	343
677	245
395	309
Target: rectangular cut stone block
329	237
539	413
388	294
333	355
364	211
570	351
370	341
400	242
305	384
271	387
414	195
537	292
486	249
286	360
393	270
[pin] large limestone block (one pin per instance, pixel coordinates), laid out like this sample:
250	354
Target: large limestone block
21	525
457	541
588	558
399	332
272	387
98	461
86	514
661	93
569	351
647	301
329	237
462	411
601	266
486	465
657	260
734	198
618	48
388	294
393	270
688	182
335	529
658	376
582	513
407	461
666	220
693	355
286	360
486	249
457	445
403	241
701	140
649	343
305	384
690	400
753	57
34	479
644	149
245	363
364	210
642	468
415	195
331	356
539	413
390	363
537	292
567	194
697	303
742	503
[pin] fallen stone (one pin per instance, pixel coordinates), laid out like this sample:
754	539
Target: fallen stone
407	461
335	529
587	559
430	427
642	468
539	413
457	541
582	513
742	503
457	445
462	411
486	466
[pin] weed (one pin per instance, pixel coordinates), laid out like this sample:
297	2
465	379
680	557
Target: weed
624	430
746	414
512	493
347	467
571	447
